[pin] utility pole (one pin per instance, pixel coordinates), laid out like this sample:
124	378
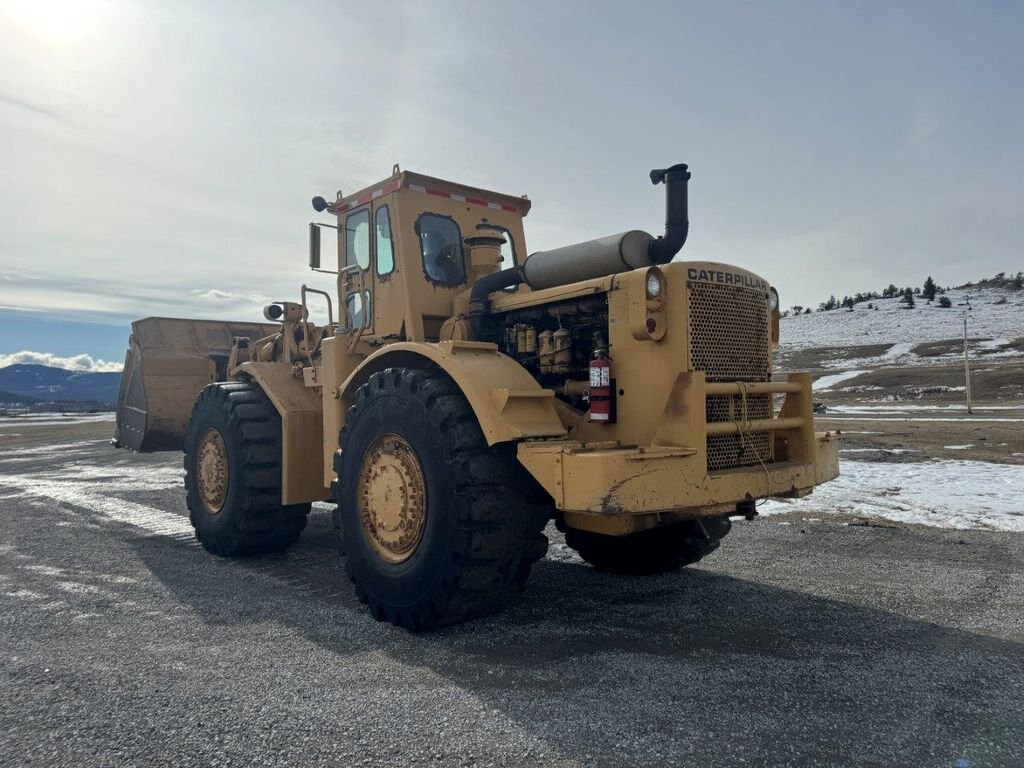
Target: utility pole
967	367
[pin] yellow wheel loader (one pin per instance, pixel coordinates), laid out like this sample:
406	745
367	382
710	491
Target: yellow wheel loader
469	393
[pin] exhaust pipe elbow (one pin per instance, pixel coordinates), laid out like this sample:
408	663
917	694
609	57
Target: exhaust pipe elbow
677	223
480	302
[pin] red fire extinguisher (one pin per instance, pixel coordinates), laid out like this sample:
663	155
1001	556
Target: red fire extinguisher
601	386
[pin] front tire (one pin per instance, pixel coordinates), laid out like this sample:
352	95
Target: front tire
437	526
658	550
233	473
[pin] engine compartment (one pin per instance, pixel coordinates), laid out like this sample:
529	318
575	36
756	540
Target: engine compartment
555	342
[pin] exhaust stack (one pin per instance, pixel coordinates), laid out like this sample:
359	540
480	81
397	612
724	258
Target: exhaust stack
622	252
677	221
604	256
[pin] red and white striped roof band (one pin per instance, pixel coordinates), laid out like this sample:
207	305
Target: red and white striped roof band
394	186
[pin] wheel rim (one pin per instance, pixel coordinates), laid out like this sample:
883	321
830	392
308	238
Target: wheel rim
212	470
392	498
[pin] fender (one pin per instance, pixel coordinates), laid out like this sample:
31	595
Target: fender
302	436
508	402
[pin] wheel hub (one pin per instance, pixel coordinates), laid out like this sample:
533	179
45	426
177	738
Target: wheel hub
212	470
392	498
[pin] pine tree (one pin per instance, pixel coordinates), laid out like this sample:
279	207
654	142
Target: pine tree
929	289
944	302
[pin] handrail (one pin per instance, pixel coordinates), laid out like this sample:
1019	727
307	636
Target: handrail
307	327
330	306
751	387
348	272
758	425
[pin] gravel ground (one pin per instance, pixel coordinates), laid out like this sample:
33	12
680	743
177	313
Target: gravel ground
806	644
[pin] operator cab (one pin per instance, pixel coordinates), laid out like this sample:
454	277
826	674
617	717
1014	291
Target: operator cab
398	278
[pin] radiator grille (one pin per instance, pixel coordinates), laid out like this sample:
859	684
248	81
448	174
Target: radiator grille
729	341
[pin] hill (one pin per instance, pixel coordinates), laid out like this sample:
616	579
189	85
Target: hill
41	382
11	398
893	335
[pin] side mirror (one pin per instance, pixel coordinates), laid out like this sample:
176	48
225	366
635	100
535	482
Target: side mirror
314	246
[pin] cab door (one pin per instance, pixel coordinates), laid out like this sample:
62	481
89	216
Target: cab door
357	251
388	298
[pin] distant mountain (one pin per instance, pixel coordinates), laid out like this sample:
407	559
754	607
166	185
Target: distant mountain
42	382
10	398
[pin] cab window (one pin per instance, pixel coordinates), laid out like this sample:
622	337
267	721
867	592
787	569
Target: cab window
441	247
357	239
359	309
508	250
385	252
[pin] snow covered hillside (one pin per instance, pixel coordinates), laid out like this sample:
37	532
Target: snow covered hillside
995	321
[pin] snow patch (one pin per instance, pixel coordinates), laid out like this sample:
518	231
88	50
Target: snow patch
89	486
993	343
827	382
51	419
908	407
890	417
949	493
899	350
894	451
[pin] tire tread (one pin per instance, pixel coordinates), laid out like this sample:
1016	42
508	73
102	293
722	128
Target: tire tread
500	512
259	523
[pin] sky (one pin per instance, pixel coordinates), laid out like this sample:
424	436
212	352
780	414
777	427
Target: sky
158	158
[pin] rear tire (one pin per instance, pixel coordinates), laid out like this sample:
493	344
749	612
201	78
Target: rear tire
233	473
658	550
467	525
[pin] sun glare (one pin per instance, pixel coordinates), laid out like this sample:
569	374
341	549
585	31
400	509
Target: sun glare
56	22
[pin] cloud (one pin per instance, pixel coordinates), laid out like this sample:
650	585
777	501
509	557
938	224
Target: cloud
81	362
216	294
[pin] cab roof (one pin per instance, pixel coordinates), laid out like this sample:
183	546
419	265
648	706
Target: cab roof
429	185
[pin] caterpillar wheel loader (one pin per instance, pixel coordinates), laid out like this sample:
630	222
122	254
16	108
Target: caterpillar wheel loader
468	393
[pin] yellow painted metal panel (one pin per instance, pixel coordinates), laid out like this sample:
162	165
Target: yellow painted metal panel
507	400
302	434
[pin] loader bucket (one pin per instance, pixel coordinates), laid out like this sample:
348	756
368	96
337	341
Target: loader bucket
168	363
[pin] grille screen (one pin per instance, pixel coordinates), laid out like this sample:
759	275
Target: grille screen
729	342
